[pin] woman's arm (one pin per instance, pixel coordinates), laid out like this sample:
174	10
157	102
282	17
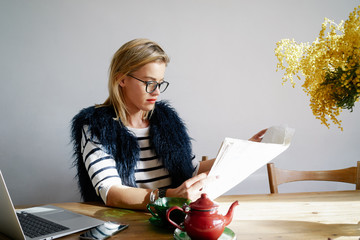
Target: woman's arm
128	197
107	183
101	167
138	198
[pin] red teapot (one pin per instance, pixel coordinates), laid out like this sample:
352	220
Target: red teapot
202	220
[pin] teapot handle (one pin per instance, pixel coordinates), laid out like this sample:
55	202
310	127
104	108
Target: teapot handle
148	206
171	221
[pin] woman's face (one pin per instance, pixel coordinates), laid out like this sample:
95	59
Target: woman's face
135	95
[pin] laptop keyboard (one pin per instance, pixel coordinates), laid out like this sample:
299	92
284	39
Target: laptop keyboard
34	226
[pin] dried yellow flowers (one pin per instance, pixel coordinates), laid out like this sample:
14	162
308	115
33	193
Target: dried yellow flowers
330	65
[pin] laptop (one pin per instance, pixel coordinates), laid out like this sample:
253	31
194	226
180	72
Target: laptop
62	222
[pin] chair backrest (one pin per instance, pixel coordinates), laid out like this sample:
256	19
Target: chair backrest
204	158
279	176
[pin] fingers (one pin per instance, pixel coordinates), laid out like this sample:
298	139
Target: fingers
262	132
188	183
258	137
199	185
193	187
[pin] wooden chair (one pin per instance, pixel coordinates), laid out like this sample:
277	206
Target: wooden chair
204	158
279	176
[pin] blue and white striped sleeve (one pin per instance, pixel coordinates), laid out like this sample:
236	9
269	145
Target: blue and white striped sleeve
100	166
196	165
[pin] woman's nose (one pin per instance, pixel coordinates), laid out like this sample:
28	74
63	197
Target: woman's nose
157	91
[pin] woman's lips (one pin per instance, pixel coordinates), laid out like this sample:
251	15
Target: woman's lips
152	100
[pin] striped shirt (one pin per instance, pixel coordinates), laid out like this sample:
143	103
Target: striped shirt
149	170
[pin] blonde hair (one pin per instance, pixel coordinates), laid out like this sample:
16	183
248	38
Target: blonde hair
129	58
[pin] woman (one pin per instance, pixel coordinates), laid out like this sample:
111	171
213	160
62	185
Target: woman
133	149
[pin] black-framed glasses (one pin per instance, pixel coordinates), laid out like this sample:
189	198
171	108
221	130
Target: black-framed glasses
152	85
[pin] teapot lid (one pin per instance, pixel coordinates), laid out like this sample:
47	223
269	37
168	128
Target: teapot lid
203	203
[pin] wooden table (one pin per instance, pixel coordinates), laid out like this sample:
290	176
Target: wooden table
310	216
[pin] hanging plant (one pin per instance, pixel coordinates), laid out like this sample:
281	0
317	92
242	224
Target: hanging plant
330	66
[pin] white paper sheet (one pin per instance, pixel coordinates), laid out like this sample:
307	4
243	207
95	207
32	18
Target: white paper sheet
237	159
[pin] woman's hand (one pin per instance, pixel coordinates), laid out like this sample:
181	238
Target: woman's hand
191	188
258	137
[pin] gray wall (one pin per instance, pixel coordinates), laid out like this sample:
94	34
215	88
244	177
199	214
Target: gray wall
54	57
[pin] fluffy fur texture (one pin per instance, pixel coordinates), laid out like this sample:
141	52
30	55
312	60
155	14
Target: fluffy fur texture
168	135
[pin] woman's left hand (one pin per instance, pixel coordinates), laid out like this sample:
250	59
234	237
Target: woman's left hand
258	137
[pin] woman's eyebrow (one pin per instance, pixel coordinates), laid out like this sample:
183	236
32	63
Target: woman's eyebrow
153	79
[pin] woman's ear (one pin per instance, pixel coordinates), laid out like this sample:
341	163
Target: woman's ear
121	79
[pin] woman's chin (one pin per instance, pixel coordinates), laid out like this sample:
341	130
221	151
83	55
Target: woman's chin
148	107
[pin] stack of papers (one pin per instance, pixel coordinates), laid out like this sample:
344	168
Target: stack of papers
237	159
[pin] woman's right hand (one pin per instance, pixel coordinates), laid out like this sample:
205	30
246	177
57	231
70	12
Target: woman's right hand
191	188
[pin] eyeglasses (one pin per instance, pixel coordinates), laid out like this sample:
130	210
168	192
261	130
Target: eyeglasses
152	85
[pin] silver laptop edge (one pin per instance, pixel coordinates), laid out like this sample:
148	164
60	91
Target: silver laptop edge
10	225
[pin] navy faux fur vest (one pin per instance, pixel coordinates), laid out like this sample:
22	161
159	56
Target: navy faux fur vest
168	135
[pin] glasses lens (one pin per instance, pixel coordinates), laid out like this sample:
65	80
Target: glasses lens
163	86
151	86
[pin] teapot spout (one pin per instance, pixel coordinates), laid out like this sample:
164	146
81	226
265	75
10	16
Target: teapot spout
229	216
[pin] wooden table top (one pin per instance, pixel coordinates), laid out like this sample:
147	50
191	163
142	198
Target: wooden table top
318	215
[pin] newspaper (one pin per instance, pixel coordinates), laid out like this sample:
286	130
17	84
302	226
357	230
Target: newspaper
237	159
